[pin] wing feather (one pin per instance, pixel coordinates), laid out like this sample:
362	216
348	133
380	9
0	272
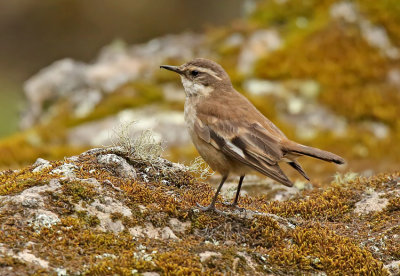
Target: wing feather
245	144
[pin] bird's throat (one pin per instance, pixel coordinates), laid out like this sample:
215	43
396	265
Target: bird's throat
195	89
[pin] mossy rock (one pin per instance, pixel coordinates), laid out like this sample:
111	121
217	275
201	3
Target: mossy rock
84	216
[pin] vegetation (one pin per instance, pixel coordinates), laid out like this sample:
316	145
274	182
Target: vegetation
316	231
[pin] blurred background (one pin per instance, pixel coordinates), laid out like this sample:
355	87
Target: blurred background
35	34
75	72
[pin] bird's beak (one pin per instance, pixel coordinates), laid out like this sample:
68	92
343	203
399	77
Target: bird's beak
172	68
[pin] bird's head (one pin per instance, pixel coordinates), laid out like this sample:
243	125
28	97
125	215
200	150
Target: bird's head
201	76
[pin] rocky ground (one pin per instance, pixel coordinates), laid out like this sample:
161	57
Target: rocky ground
111	211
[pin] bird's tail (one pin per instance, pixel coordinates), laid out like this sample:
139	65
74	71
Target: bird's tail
299	149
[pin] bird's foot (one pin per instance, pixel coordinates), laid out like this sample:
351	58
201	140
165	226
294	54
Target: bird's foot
233	205
209	208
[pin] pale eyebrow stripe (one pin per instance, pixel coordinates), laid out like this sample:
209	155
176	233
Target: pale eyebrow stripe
205	70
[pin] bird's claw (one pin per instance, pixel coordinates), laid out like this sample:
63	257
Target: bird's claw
209	208
233	205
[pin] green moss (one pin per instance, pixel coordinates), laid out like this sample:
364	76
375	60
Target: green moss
92	221
78	191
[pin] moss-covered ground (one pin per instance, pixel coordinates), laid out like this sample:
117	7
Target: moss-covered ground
317	231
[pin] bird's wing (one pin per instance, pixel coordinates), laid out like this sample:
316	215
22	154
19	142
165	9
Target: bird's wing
243	140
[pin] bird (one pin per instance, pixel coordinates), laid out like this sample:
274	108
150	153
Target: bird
230	134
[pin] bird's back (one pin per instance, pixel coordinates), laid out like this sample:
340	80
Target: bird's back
233	106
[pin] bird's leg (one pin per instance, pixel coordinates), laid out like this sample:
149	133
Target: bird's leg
211	207
234	203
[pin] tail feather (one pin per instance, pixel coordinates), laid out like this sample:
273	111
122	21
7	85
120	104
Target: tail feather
295	165
293	147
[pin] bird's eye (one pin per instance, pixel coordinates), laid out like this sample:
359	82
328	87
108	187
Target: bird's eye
194	73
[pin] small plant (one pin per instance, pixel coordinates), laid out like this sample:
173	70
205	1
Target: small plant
121	137
343	179
146	148
200	168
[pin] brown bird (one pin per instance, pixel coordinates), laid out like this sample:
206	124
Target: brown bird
230	134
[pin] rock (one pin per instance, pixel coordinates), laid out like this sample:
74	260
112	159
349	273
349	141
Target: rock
148	230
58	80
30	258
379	130
120	166
61	271
67	170
234	40
295	105
136	231
308	118
43	218
309	89
106	255
248	259
393	77
371	203
86	102
261	185
83	86
110	205
151	232
263	87
393	267
102	211
178	226
32	197
205	256
167	233
113	210
375	35
150	274
259	44
345	10
40	165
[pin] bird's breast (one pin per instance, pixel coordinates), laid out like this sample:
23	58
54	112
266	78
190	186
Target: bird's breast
190	113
